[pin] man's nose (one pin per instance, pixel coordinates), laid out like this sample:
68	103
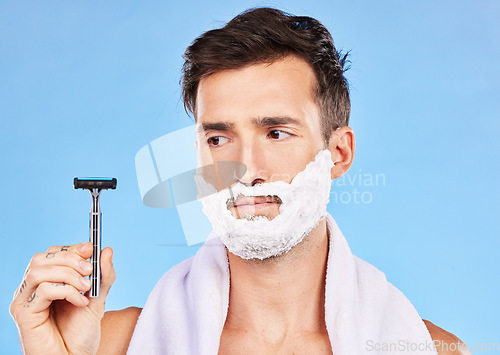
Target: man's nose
256	164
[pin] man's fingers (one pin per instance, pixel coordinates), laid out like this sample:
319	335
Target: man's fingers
82	249
108	274
38	269
108	277
68	259
47	292
50	274
107	270
59	274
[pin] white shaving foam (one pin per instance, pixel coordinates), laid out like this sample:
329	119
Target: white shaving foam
304	203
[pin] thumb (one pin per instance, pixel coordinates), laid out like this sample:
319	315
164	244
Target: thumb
108	276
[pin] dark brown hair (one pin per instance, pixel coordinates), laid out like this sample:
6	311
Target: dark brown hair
264	35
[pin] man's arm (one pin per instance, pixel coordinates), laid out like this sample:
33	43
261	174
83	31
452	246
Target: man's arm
117	328
445	342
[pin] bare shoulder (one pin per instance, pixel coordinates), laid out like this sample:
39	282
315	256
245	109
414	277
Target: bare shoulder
117	328
446	343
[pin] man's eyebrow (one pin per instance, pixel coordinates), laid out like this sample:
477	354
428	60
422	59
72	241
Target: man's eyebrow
215	126
275	121
261	122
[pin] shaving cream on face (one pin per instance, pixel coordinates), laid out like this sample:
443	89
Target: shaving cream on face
303	206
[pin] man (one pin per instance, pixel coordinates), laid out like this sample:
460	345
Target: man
268	91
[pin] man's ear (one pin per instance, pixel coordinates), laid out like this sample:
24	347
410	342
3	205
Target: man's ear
341	146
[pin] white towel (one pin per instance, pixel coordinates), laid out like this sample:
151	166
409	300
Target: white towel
364	313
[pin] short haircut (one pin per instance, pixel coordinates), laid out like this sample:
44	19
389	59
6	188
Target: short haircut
265	35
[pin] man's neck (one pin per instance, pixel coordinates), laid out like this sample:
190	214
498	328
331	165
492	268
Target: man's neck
282	296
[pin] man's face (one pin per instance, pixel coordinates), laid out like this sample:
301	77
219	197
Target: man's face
263	116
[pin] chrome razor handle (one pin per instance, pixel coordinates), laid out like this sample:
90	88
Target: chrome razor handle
95	239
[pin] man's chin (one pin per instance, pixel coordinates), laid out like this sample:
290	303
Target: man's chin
258	260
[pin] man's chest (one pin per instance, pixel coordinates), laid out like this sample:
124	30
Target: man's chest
237	343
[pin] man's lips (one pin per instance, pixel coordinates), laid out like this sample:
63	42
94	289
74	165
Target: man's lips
252	201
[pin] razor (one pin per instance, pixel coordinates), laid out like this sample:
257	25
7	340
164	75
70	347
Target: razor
95	185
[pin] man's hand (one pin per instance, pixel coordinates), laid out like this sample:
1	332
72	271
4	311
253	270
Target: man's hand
51	314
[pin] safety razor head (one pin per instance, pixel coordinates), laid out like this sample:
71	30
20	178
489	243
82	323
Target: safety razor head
94	183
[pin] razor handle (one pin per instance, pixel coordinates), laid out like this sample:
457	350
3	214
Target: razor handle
95	239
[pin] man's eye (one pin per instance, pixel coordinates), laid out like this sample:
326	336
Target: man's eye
277	134
215	141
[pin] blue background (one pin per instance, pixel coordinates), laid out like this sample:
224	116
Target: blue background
85	84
